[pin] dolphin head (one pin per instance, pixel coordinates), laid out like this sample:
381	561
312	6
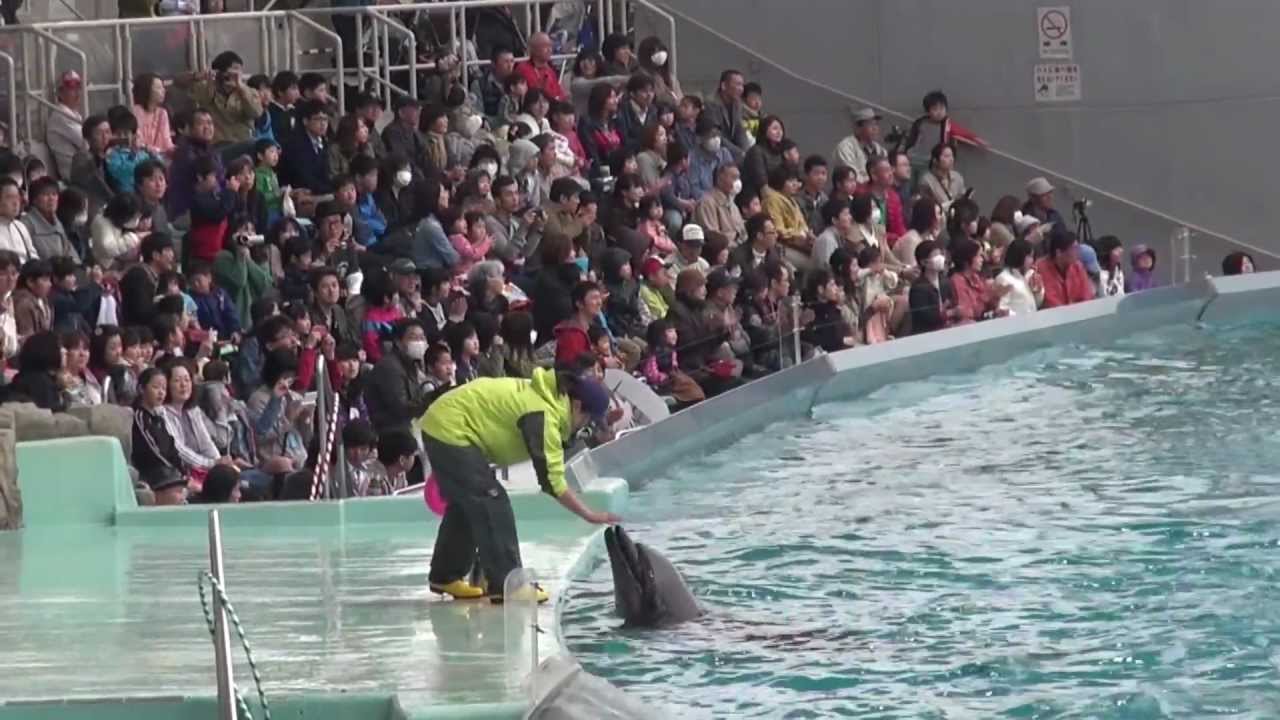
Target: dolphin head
648	591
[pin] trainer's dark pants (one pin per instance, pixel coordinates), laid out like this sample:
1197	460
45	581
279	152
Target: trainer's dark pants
479	517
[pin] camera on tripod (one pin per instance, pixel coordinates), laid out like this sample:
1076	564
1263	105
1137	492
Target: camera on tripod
1084	228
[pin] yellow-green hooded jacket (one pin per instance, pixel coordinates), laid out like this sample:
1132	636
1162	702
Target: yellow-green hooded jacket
510	420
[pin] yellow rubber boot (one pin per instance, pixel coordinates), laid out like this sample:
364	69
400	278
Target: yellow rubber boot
459	589
523	595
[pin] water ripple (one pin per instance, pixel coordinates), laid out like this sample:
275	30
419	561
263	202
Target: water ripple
1079	533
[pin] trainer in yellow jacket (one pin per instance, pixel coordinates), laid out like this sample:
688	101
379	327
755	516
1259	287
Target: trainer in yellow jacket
501	421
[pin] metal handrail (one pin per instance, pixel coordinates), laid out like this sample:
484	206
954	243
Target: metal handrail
12	87
388	26
84	62
221	635
671	14
379	16
337	39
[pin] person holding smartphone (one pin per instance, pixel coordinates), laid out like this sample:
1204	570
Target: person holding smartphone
274	410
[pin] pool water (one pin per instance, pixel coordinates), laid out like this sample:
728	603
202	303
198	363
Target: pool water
1079	533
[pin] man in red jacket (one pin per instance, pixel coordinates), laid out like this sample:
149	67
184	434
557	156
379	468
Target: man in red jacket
1065	281
538	71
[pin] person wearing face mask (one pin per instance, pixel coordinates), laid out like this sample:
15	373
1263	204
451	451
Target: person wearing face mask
73	213
114	233
716	212
932	299
705	157
395	197
396	389
655	60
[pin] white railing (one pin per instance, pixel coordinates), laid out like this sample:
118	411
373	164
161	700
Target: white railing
48	48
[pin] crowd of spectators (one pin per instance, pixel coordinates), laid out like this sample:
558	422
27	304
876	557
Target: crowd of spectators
196	266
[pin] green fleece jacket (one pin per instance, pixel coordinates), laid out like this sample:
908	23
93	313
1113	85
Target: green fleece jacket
510	420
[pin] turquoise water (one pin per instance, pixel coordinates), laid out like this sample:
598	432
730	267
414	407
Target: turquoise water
1083	533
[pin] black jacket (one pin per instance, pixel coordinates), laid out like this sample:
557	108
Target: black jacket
138	290
698	339
551	296
303	166
153	446
394	394
828	329
928	304
37	387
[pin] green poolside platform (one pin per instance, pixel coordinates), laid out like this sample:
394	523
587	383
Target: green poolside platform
101	618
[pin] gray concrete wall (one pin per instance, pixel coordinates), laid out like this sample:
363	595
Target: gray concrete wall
1176	94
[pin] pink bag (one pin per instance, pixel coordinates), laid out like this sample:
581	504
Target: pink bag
431	493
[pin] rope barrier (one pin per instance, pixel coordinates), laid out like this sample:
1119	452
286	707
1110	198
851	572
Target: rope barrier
223	600
326	451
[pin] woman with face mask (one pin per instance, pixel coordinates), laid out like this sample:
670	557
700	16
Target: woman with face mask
932	299
394	195
73	213
655	59
115	231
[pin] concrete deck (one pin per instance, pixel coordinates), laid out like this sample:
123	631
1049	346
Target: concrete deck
333	596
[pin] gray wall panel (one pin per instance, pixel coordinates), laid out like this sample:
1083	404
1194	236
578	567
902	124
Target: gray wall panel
1178	95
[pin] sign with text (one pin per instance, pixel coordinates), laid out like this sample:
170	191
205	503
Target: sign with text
1057	82
1053	32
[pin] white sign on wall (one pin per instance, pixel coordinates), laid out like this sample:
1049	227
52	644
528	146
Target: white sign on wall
1057	82
1053	32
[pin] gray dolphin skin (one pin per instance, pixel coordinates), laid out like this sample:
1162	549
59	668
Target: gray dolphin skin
647	589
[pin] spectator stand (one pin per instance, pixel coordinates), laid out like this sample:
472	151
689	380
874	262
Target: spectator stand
1191	249
109	53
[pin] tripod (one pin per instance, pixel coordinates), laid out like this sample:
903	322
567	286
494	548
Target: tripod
1084	229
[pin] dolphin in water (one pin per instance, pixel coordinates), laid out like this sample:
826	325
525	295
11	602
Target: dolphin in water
647	589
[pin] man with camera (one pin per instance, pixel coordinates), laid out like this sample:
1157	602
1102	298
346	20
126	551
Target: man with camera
233	104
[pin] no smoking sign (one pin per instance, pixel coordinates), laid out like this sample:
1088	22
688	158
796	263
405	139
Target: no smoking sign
1053	31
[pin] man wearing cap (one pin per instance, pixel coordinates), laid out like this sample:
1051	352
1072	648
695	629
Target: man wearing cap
1040	203
408	286
402	136
62	127
854	151
689	252
501	421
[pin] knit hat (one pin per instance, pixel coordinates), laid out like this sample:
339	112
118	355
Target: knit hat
522	151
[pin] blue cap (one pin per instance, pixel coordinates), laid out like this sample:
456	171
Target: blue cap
593	396
1089	258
